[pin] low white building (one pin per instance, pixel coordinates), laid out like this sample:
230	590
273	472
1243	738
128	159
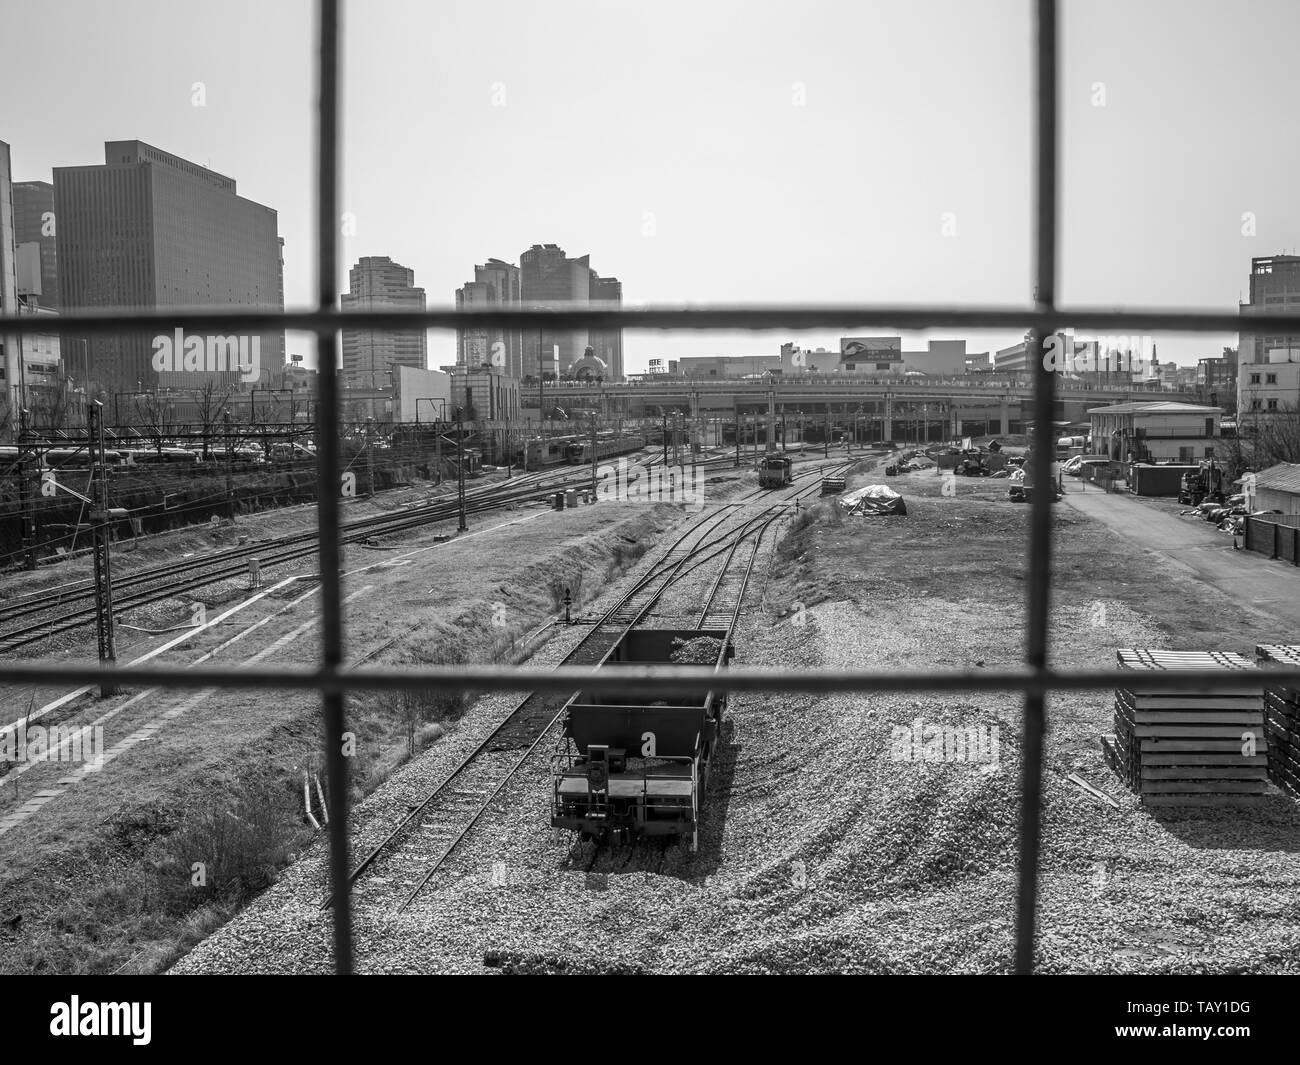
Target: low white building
1160	431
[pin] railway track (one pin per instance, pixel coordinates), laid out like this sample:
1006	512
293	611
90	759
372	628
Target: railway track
41	610
450	810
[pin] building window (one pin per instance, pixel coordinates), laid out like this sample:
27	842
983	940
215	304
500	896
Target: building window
850	366
1272	404
1254	404
1254	379
1270	379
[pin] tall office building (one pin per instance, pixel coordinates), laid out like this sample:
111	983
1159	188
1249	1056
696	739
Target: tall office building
496	284
607	293
9	365
31	372
370	354
551	279
34	224
148	230
1268	370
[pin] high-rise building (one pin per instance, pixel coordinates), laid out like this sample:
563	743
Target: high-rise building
495	284
148	230
607	294
550	279
9	345
34	224
1268	372
31	372
369	355
546	278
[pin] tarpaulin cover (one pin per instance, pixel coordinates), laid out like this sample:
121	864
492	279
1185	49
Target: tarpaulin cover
873	499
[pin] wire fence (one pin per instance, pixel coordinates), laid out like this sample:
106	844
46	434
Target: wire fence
1044	317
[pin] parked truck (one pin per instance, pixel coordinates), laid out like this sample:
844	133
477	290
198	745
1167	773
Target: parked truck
1203	484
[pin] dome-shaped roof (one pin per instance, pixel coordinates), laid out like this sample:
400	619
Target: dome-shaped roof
588	366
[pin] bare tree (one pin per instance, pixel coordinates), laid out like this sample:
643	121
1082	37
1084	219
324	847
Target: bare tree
156	414
210	401
50	408
1264	438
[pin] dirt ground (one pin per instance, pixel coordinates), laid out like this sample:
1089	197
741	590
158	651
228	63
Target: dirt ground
96	872
825	846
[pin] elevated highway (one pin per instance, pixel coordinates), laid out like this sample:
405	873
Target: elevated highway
987	404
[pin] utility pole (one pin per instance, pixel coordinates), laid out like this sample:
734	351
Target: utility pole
593	458
665	414
826	434
370	455
509	442
100	531
437	446
230	464
27	499
460	465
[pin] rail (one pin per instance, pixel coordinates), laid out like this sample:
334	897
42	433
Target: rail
1042	317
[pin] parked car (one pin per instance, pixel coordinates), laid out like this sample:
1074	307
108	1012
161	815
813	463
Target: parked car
1074	466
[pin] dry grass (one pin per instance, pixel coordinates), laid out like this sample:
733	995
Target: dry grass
223	785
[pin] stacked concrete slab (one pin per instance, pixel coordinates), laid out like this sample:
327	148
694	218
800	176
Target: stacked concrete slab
1198	747
1282	719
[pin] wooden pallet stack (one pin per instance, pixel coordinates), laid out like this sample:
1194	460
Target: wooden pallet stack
1282	719
1191	747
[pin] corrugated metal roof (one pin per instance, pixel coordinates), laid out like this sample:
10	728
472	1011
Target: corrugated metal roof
1284	477
1157	407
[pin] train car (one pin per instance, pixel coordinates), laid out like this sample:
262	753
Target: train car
608	445
167	456
541	452
631	765
78	458
774	471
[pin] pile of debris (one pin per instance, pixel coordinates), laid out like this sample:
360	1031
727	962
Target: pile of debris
873	499
1176	747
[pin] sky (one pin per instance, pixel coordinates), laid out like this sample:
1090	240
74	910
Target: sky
733	152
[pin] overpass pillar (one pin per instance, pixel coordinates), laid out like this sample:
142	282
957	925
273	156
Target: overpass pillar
1004	413
889	418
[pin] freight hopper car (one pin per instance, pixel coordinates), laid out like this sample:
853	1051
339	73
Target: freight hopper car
633	764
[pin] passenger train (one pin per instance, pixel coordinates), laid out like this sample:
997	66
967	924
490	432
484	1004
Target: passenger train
576	449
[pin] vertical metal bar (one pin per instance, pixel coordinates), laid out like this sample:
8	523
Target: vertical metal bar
327	473
1044	453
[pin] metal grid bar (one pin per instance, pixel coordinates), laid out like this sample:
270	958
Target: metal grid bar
327	476
674	678
1039	587
332	682
737	317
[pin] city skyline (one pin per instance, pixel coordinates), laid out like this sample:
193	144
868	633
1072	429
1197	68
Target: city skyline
710	158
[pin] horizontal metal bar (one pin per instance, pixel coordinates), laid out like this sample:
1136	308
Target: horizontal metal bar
748	317
629	679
